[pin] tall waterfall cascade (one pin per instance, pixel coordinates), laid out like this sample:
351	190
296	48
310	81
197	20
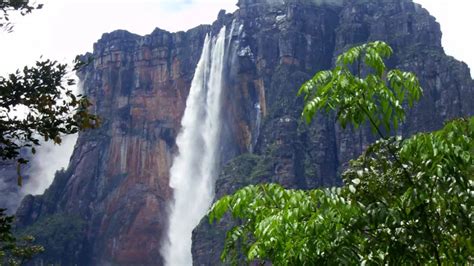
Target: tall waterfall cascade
195	167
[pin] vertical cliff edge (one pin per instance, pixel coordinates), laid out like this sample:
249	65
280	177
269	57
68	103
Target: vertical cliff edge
109	207
287	42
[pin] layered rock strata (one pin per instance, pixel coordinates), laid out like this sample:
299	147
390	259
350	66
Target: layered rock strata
117	181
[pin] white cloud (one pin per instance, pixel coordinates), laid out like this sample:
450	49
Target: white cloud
48	159
65	28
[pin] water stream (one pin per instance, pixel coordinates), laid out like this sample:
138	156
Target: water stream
194	169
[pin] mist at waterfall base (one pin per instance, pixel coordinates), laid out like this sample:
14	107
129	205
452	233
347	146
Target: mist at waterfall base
50	158
194	169
39	173
41	168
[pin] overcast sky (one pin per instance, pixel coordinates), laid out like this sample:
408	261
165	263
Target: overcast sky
65	28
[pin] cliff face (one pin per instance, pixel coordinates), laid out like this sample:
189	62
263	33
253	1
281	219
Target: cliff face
289	43
117	181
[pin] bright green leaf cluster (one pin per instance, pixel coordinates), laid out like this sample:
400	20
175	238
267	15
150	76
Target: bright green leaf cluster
404	201
423	209
360	89
385	214
315	221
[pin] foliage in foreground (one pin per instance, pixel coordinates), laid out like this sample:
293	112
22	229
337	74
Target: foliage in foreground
405	201
51	110
12	250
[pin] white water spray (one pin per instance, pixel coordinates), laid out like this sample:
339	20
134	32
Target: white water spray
231	33
194	169
258	122
49	158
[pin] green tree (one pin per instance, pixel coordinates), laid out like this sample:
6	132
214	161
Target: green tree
15	251
35	103
404	201
51	109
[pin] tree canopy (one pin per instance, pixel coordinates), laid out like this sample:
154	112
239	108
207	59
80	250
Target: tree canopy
404	201
36	103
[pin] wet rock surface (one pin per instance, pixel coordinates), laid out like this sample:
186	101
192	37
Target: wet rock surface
291	40
117	181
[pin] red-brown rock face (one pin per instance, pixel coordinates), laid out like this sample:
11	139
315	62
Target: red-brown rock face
140	87
118	176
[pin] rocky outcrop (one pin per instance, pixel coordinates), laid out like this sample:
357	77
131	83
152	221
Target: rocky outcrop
117	181
289	41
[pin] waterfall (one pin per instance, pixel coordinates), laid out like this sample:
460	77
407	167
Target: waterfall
231	33
194	169
258	122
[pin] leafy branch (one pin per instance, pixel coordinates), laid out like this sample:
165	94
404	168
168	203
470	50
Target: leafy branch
405	201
